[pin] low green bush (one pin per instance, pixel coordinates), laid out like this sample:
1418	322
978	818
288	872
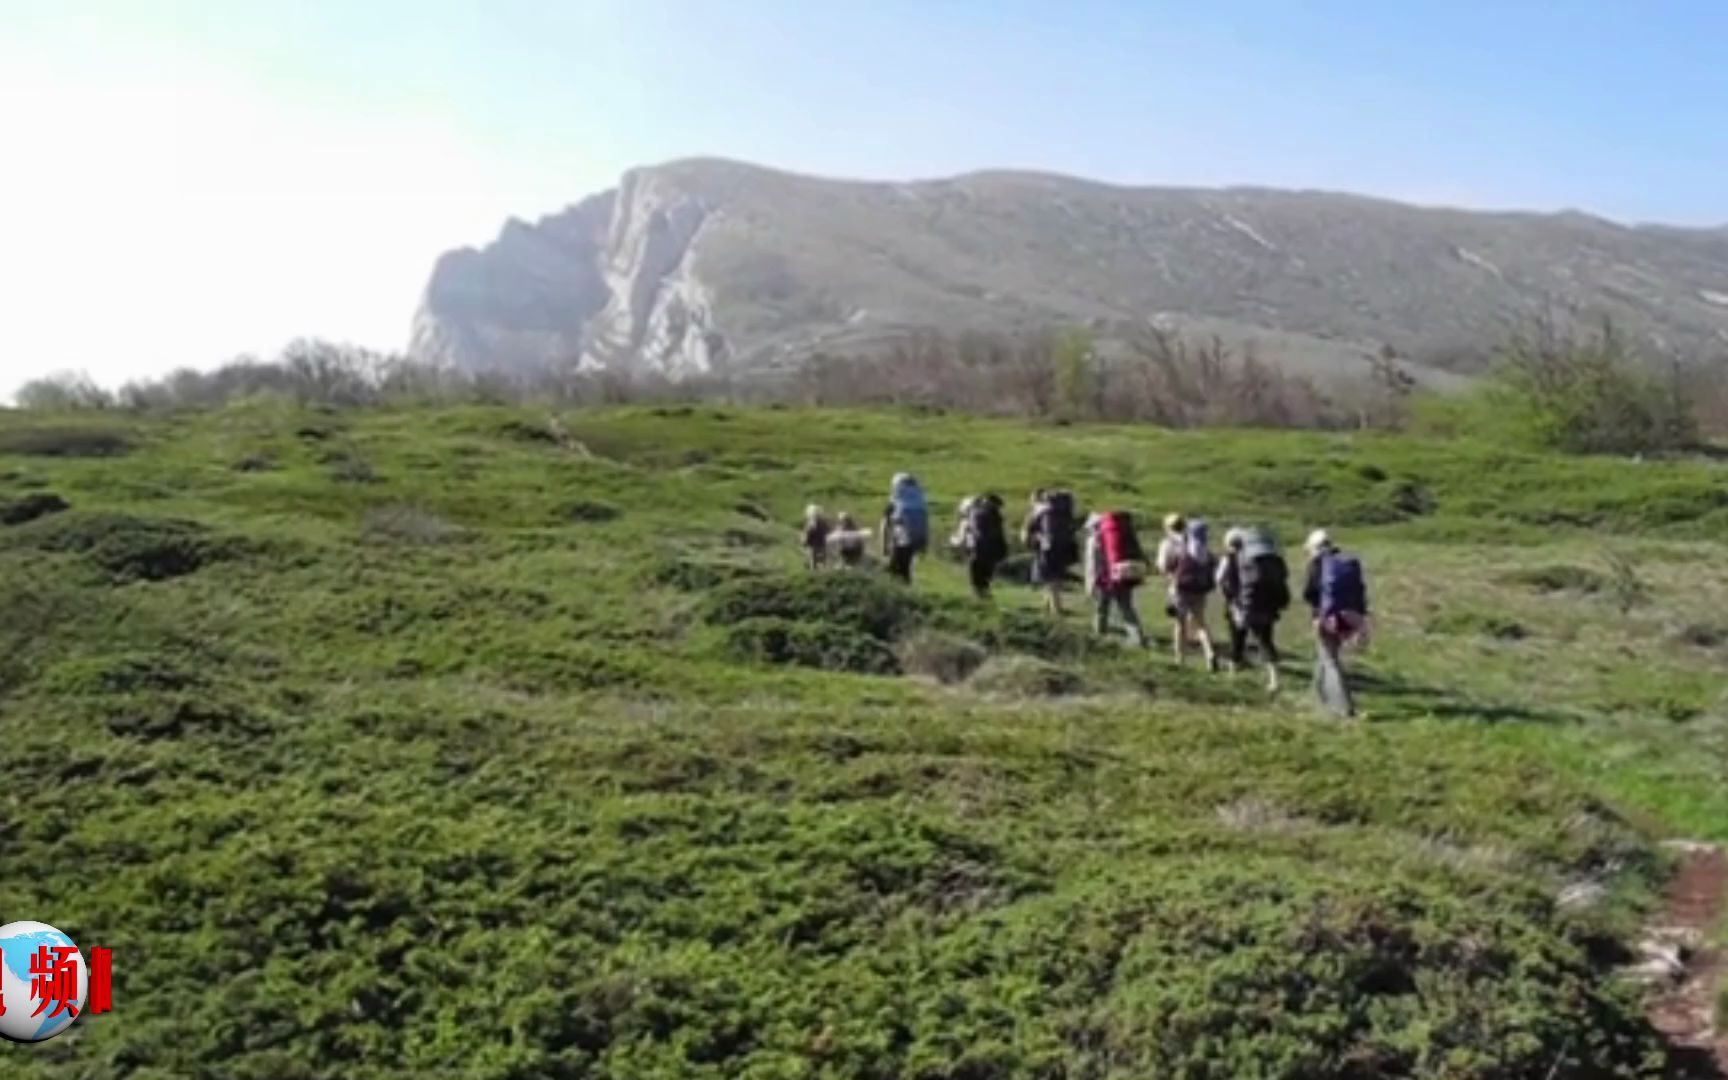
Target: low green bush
130	548
766	639
1479	624
1557	577
863	603
1025	677
77	442
30	507
946	658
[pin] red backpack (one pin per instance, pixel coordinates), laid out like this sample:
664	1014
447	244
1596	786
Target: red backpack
1124	558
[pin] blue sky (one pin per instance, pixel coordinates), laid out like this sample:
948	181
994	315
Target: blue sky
200	179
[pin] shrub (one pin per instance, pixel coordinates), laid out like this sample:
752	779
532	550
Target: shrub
1703	635
121	674
862	603
65	442
349	467
818	645
1557	577
943	657
1026	677
698	576
258	462
1582	395
1625	586
130	548
1478	623
1039	635
410	524
31	507
592	513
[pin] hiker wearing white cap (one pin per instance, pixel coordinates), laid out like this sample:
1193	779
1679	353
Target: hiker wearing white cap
816	532
1337	595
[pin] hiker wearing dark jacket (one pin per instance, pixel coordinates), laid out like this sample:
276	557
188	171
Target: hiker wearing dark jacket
816	532
1049	534
982	539
1253	599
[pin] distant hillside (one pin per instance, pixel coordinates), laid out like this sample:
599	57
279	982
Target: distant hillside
708	265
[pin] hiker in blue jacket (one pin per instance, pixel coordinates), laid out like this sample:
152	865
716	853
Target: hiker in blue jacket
905	525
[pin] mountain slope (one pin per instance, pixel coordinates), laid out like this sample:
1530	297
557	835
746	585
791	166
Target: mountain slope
711	265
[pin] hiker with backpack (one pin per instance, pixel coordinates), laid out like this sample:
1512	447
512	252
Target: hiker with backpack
848	539
1051	532
816	532
905	525
1115	565
1255	583
1337	593
982	539
1186	560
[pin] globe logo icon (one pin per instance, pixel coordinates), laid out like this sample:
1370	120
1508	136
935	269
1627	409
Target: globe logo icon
43	981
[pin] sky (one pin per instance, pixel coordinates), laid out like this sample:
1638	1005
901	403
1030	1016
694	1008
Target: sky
184	181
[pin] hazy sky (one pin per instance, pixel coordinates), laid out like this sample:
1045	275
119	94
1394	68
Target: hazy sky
184	181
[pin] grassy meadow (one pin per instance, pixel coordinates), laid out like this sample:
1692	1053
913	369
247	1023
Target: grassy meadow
466	743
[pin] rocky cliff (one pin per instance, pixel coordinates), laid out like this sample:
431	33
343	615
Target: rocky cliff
705	265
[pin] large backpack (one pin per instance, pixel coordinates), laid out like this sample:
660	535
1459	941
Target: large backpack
911	518
1196	568
1058	536
1342	588
1264	582
989	536
1124	558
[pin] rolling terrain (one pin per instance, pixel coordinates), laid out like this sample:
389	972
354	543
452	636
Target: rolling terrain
456	742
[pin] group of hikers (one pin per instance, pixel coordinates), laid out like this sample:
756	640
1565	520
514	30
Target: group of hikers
1105	547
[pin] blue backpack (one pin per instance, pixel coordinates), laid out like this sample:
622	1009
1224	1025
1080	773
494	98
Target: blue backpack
1341	586
911	518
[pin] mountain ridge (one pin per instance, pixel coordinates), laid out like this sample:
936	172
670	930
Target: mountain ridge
703	265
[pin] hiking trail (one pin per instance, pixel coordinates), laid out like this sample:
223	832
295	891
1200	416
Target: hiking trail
1682	960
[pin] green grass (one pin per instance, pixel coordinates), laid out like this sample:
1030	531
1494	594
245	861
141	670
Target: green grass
409	743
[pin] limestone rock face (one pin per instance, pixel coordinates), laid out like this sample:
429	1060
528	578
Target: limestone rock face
715	266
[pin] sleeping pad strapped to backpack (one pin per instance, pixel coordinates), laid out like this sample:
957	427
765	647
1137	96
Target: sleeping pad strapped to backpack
1124	558
911	519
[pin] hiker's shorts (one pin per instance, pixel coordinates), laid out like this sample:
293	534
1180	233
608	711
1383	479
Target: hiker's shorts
1188	605
1047	569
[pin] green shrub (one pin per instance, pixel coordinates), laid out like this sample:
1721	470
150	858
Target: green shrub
124	673
1585	395
1557	577
766	639
698	575
65	442
410	524
1025	677
1037	634
943	657
130	548
1706	635
30	507
1479	624
862	603
591	513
